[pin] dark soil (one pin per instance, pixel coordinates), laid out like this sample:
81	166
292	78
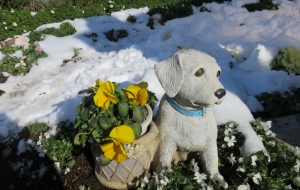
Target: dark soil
26	177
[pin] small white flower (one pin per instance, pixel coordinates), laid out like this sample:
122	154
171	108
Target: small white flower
268	132
296	151
164	181
296	168
145	181
4	23
231	159
241	169
82	12
47	135
256	178
253	160
241	160
220	179
52	11
20	64
67	170
230	141
155	177
272	143
227	131
267	155
15	24
273	134
5	28
195	165
200	178
110	1
231	124
57	166
12	11
266	125
244	187
111	6
25	31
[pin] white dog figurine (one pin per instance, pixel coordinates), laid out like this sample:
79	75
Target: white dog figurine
184	120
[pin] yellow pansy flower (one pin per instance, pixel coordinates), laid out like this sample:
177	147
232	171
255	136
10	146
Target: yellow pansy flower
114	149
139	93
104	95
98	84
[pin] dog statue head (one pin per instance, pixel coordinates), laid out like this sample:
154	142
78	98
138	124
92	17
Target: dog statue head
191	78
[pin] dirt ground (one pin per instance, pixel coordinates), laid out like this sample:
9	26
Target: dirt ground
26	177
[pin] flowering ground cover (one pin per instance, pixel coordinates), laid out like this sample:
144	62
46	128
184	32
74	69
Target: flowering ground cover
42	90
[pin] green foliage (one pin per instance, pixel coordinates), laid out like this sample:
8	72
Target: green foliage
14	22
275	168
8	63
65	29
280	103
131	18
261	5
288	59
60	148
175	10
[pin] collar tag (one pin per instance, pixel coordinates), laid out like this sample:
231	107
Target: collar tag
184	111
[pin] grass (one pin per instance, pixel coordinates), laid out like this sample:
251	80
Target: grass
277	168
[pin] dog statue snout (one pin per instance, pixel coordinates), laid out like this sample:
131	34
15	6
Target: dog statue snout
220	93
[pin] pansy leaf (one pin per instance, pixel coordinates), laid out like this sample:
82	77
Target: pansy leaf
84	126
123	109
83	139
121	94
84	114
106	122
93	122
128	122
95	134
77	139
139	114
137	129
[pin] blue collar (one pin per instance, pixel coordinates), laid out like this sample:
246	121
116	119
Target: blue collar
183	111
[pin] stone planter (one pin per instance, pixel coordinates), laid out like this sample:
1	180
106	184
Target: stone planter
125	175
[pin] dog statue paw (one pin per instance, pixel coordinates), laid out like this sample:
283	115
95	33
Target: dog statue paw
184	119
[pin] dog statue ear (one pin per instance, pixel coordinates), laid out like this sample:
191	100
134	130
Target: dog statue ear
170	74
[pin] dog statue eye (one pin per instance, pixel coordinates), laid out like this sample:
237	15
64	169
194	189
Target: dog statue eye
218	74
199	73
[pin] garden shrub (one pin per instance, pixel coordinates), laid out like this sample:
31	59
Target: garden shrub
288	59
261	5
65	29
280	103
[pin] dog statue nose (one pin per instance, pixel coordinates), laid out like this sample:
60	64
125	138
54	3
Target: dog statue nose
220	93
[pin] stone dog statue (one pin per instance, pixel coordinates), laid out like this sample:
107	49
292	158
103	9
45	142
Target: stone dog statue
184	120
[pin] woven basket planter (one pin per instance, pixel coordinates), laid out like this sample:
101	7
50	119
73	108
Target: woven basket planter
125	175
